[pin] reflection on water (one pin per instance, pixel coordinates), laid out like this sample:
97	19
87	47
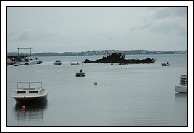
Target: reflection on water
32	111
124	96
181	97
181	108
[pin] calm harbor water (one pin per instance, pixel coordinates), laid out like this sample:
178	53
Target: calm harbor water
125	95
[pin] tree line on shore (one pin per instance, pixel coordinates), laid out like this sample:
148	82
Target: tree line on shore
102	52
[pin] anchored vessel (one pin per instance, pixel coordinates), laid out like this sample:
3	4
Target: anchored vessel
80	74
182	87
165	64
30	92
72	63
57	62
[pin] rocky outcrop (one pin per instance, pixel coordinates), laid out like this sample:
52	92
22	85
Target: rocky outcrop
120	58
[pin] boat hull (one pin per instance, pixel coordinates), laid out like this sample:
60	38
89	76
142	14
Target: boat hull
181	88
31	63
74	63
30	100
57	63
164	64
80	74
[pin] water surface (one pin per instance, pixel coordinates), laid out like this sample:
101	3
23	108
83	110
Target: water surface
125	95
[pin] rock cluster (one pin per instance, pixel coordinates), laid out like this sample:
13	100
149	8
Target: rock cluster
120	58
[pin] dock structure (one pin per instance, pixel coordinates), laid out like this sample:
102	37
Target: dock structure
22	58
21	55
24	48
17	57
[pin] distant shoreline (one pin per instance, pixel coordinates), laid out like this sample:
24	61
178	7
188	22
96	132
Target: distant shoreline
101	52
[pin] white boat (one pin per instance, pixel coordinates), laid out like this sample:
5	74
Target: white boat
57	62
31	62
30	92
38	61
165	64
182	87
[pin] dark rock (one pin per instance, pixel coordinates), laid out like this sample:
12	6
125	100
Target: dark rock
88	61
120	58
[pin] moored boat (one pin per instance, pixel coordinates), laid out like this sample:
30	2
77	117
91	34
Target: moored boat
30	92
57	62
165	64
182	87
31	62
80	74
72	63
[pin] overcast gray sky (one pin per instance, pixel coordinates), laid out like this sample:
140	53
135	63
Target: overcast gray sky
73	29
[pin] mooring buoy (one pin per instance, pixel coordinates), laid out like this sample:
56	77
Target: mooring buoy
95	83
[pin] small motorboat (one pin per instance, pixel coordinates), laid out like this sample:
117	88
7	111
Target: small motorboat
72	63
165	64
38	61
80	74
30	61
30	92
182	87
57	62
